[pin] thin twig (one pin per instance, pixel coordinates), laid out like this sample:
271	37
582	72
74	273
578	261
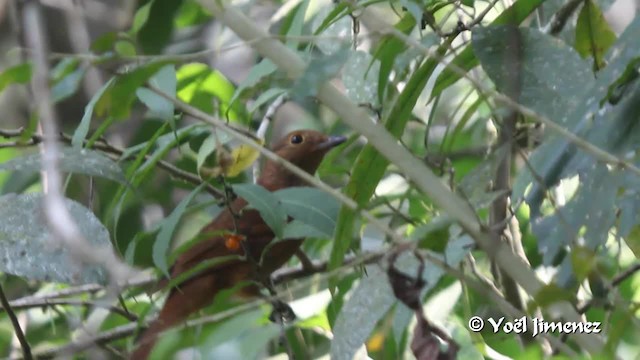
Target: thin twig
614	283
561	17
124	60
74	302
104	146
264	126
142	280
26	349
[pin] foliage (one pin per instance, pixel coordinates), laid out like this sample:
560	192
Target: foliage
145	169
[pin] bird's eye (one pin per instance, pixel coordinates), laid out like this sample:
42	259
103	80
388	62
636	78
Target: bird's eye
297	139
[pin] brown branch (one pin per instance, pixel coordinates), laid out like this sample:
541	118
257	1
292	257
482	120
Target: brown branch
561	17
87	288
26	349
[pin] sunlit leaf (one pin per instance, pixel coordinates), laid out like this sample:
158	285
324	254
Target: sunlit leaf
191	13
593	34
242	157
203	87
19	74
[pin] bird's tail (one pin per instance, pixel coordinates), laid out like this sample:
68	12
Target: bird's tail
181	302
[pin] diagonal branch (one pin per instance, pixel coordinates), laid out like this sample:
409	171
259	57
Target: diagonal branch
26	349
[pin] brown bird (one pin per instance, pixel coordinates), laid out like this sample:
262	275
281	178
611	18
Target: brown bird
304	148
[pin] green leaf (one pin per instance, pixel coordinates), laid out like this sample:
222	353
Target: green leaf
162	244
545	75
550	159
19	74
360	76
171	139
63	68
27	248
141	16
266	97
202	87
267	205
118	98
72	160
466	60
165	80
244	336
85	123
67	86
433	235
297	22
191	13
156	32
370	300
318	71
337	12
551	294
209	146
104	42
593	34
334	28
413	9
552	79
310	206
389	48
264	68
136	173
298	230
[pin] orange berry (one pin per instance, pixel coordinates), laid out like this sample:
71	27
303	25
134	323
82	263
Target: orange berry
233	241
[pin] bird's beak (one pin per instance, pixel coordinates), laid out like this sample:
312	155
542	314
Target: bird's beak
331	142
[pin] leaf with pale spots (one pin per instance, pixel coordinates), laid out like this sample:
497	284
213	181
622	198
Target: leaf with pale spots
28	249
71	160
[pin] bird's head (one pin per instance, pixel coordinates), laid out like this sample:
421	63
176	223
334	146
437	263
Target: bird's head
305	149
